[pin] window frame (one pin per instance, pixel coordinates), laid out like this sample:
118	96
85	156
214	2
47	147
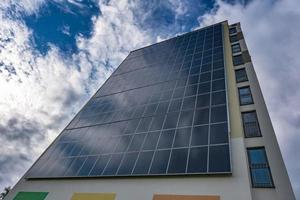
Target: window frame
241	69
254	185
244	104
233	38
239	46
239	63
245	135
232	28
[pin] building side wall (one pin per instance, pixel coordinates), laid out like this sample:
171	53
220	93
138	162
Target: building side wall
282	189
145	188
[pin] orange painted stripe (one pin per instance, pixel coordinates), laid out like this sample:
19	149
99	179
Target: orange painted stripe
184	197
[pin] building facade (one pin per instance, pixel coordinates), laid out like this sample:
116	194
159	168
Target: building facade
183	119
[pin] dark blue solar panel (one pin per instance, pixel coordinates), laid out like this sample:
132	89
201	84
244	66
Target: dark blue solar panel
162	112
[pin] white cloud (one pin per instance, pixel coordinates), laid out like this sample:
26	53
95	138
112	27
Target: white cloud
24	6
271	30
31	94
179	7
40	93
115	33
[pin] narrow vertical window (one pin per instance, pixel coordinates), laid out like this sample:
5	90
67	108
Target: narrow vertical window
232	30
236	48
245	96
238	60
251	125
241	75
233	38
259	168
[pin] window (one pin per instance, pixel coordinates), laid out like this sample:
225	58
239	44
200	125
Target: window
259	168
236	48
232	30
237	60
233	38
241	75
251	125
245	96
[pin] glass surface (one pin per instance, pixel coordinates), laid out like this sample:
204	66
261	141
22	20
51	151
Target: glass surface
236	48
218	98
197	160
188	103
191	90
200	135
245	96
257	156
232	30
218	114
171	120
204	88
241	75
75	166
233	38
87	166
219	158
182	137
160	162
186	118
261	177
113	165
136	142
157	123
150	117
218	74
201	116
151	141
259	168
123	143
203	100
218	133
178	161
166	139
237	60
251	125
143	163
144	125
127	165
218	85
100	165
175	105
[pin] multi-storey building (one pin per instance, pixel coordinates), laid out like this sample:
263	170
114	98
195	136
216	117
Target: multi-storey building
183	119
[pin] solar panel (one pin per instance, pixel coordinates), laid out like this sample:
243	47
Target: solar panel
162	112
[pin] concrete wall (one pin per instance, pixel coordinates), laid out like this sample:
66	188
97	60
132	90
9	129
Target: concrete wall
283	189
235	186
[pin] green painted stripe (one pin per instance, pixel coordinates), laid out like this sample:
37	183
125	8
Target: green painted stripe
31	196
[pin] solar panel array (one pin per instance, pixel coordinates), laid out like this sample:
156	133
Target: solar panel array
162	112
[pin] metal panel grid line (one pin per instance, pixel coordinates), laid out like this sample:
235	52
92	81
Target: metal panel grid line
170	119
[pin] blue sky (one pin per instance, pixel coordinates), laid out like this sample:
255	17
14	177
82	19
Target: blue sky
55	54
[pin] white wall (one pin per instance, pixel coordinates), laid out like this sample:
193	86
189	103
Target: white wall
229	187
283	188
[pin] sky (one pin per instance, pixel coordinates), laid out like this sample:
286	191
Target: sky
55	54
